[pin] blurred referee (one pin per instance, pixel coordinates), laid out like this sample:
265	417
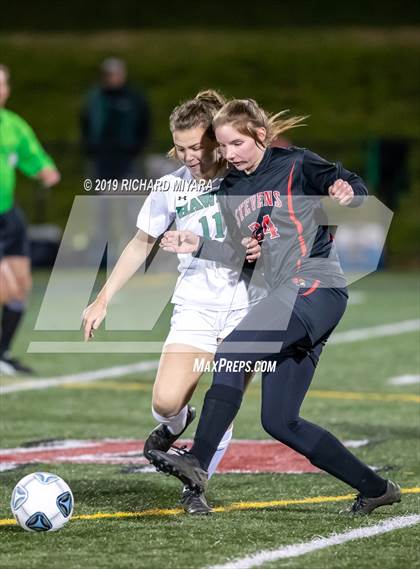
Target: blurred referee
19	148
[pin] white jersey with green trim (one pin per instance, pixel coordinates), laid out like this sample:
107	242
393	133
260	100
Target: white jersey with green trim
193	206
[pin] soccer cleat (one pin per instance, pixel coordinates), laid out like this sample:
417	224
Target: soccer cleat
161	437
364	505
12	366
184	466
194	503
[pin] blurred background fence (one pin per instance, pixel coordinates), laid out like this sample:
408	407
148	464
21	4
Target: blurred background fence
359	84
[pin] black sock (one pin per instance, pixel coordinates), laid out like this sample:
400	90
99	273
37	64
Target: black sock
332	456
372	485
221	404
9	323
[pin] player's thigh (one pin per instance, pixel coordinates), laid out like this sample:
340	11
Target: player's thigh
9	286
21	269
228	322
177	377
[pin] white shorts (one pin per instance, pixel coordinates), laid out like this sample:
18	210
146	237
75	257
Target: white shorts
203	329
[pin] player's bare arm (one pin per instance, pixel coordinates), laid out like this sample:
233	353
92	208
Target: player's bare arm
133	256
188	242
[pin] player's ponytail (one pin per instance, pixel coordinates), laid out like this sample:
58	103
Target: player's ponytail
212	99
196	112
246	116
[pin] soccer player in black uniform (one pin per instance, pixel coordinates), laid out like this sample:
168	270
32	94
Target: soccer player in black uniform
274	194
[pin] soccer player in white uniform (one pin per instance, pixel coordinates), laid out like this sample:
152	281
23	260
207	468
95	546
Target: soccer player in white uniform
209	302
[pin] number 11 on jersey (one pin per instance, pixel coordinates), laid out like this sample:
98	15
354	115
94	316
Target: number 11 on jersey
219	226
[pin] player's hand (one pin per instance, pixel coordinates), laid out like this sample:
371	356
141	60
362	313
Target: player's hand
341	192
92	318
180	242
253	249
49	176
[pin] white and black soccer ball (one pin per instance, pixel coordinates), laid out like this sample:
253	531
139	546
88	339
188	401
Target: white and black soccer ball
42	501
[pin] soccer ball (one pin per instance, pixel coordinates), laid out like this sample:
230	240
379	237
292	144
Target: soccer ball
42	501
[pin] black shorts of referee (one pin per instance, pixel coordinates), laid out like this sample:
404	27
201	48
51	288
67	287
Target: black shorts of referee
14	240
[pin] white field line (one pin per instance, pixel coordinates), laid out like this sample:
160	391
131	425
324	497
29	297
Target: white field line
84	377
318	543
375	332
106	347
404	380
355	335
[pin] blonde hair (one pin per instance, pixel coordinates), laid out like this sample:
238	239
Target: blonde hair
197	112
246	116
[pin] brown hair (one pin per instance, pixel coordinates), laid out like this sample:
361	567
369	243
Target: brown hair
246	116
197	112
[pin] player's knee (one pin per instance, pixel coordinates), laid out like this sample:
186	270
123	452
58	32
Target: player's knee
21	295
24	287
269	422
283	429
5	296
18	296
28	285
166	406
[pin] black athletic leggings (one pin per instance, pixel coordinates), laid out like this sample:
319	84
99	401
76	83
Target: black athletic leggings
284	389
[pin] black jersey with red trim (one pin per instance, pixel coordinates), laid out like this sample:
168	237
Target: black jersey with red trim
280	204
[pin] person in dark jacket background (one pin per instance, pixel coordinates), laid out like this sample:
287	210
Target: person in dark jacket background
115	123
